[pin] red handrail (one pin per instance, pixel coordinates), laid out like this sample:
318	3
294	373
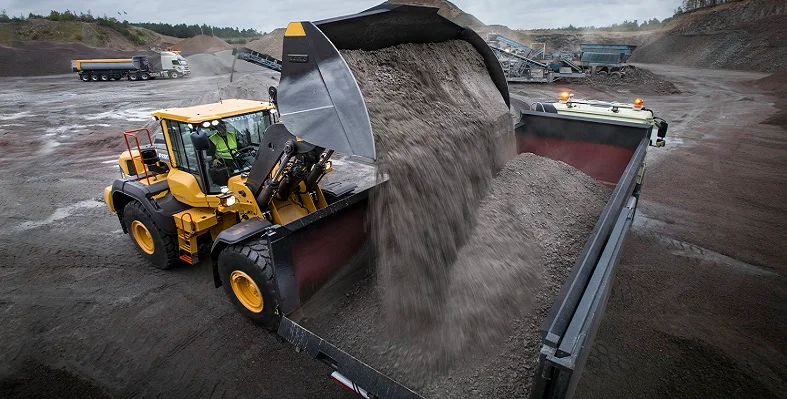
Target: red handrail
133	133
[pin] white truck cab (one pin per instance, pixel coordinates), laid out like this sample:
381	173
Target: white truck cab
173	65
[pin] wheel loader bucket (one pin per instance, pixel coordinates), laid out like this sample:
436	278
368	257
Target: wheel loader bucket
318	96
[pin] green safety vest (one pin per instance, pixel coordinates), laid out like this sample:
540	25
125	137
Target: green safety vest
222	149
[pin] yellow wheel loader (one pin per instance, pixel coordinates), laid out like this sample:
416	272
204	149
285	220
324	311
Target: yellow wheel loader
244	178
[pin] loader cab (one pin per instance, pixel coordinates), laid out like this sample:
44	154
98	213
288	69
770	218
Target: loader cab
209	144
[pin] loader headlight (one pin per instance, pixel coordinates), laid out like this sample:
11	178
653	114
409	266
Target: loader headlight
226	198
210	123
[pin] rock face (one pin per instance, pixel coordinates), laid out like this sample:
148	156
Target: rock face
747	35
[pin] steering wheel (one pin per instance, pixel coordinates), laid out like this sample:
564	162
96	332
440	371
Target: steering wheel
243	154
246	151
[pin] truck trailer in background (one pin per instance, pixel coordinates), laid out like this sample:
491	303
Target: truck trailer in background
605	59
138	67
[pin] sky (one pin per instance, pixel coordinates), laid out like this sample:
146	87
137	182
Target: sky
267	15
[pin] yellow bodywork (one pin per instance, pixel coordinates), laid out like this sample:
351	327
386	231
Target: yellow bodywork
209	112
206	214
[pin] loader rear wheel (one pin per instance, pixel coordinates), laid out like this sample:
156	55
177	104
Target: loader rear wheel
247	276
156	246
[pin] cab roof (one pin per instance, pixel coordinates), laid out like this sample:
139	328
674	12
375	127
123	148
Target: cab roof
603	110
209	112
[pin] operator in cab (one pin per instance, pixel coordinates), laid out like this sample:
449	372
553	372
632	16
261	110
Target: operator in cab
223	144
223	147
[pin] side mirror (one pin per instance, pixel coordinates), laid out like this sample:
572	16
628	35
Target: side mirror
200	141
272	92
663	129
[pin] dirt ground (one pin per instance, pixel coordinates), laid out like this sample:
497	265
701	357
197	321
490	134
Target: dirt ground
697	308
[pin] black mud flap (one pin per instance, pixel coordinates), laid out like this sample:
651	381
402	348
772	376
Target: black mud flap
372	381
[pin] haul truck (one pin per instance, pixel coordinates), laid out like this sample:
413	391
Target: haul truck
138	67
275	232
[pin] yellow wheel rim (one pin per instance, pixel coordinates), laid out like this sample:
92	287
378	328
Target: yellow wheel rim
143	237
246	291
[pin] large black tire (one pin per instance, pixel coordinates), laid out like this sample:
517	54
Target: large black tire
104	77
144	76
94	77
133	76
159	248
85	77
244	268
174	75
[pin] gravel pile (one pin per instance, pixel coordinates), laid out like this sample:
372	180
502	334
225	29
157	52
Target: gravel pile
638	81
467	264
270	43
201	44
219	63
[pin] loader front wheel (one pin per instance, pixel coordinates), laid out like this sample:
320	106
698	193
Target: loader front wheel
156	246
247	276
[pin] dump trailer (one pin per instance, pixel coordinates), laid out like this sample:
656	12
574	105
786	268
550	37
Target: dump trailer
605	59
275	232
607	141
137	67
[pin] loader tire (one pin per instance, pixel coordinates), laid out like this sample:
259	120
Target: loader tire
159	248
247	276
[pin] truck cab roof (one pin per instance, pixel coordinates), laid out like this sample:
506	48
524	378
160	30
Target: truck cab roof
604	110
213	111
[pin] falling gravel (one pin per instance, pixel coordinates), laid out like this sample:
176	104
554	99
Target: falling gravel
437	127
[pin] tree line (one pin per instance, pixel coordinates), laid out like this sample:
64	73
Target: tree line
184	31
178	30
624	26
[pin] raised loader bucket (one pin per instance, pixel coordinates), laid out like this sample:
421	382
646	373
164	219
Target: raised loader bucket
318	96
